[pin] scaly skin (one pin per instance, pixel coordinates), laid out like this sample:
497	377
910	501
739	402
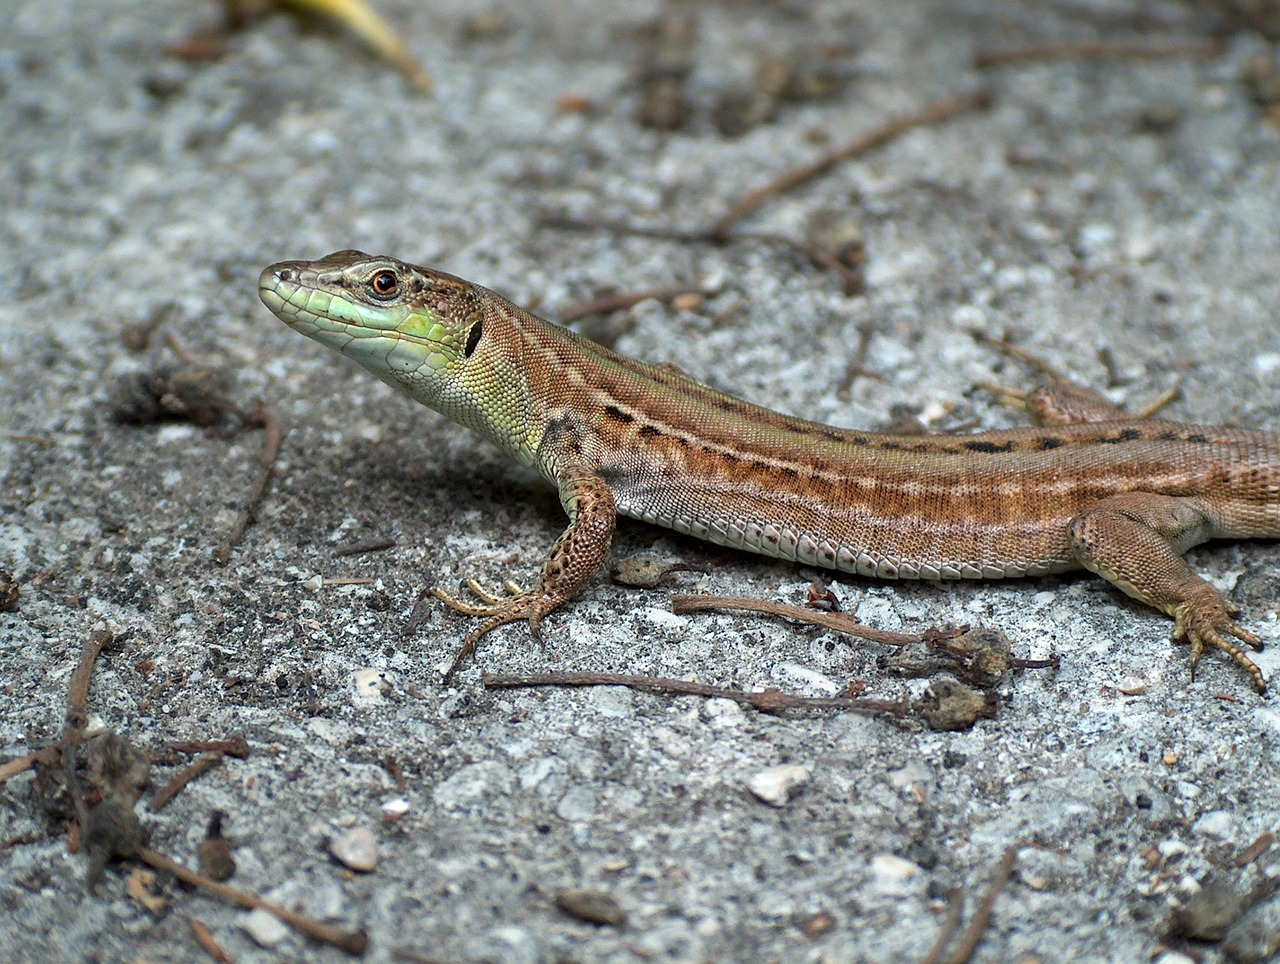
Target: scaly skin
1092	487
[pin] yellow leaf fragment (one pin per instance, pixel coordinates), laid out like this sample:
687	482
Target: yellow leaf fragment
140	887
361	19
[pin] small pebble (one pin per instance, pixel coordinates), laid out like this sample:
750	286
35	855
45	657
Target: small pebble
265	928
395	808
774	785
371	685
357	849
1216	823
893	874
1132	686
593	906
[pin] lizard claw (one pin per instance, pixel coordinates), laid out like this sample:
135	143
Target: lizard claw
1209	623
523	605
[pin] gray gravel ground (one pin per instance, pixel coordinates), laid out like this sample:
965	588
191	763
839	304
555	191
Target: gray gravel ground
1126	205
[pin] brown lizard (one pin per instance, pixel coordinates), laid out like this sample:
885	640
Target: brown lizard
1092	487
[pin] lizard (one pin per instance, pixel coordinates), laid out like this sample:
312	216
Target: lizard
1089	486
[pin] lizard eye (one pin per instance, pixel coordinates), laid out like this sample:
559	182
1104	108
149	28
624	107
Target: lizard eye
384	284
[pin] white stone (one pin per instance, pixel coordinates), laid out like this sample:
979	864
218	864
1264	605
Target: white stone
1216	823
370	685
723	712
910	774
356	848
264	927
774	785
1132	686
802	676
396	807
1266	363
893	874
579	803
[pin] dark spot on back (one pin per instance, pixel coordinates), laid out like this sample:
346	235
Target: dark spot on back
1050	442
1128	435
891	446
1196	438
649	431
989	447
1168	436
618	415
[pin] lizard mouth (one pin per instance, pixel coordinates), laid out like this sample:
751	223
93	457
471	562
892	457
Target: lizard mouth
375	336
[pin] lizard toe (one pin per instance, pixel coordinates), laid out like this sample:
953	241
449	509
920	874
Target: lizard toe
1212	627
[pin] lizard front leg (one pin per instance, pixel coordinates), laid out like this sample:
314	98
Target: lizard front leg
1135	541
576	556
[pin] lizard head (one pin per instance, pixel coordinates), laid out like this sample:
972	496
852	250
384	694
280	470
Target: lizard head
414	328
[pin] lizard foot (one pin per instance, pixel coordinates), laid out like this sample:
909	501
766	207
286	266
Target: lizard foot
522	605
1209	623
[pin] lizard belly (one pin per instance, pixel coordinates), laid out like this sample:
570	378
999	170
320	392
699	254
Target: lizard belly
857	540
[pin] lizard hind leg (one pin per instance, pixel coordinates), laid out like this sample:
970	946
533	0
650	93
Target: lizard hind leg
520	606
1135	541
576	556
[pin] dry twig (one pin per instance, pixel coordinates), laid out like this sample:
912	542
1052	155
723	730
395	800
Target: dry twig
608	303
973	933
768	701
353	942
950	924
929	114
840	622
264	416
1132	48
205	761
239	747
204	937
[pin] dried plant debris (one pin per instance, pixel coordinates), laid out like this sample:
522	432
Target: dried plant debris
487	26
193	393
949	704
95	784
1260	15
9	592
645	571
355	15
1261	77
216	860
837	232
778	80
665	62
92	783
980	657
141	887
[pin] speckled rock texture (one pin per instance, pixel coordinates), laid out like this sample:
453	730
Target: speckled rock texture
1120	217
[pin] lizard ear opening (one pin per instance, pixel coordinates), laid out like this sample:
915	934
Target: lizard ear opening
473	339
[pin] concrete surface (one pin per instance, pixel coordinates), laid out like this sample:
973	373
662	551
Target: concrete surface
1128	205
